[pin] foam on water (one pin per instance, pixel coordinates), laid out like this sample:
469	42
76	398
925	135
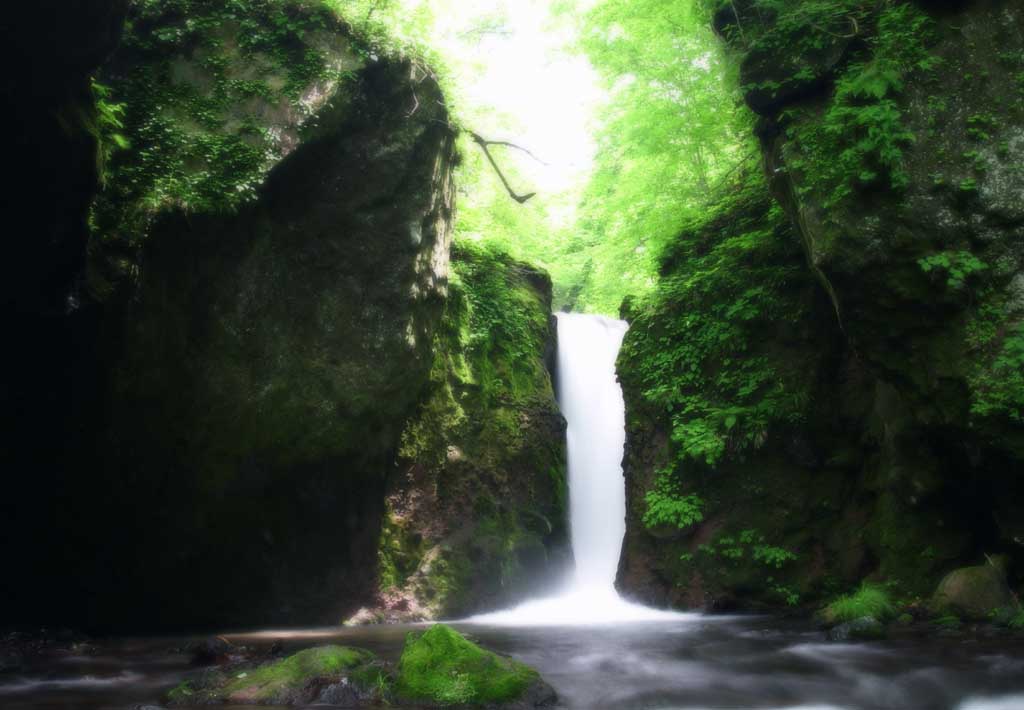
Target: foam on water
1006	702
88	682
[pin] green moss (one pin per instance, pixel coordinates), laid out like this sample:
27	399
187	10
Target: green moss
860	139
869	600
441	666
486	435
181	693
695	348
213	96
269	681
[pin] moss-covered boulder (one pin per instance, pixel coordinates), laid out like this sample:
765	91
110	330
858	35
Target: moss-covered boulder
476	512
270	259
332	675
440	667
976	593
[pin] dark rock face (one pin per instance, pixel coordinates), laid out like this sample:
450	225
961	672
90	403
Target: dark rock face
927	281
246	420
254	367
905	467
263	368
49	117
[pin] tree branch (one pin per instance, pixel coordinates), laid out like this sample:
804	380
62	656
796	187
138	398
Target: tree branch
485	146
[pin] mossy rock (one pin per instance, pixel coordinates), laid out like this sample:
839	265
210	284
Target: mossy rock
489	436
866	628
441	667
974	593
326	674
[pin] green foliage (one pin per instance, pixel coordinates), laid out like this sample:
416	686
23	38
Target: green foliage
208	109
868	600
860	139
672	129
999	387
749	543
1017	621
108	128
441	666
694	348
958	267
490	397
772	556
665	506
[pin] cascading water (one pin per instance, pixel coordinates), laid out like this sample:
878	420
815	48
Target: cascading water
591	400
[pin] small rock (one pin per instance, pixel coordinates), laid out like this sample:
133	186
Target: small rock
866	628
210	651
341	694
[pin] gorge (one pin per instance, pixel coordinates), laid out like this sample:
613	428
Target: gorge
700	386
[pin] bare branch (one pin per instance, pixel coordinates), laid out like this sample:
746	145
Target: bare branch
517	147
485	146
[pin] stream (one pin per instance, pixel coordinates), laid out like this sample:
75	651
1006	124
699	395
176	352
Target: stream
692	663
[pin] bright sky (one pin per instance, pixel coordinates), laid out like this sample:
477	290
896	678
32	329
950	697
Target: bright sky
527	73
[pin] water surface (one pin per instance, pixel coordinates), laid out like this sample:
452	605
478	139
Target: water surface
689	663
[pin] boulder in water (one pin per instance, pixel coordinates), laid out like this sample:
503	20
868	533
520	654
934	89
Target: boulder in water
441	667
975	593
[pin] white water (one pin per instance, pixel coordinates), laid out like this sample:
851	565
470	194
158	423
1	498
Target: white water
591	400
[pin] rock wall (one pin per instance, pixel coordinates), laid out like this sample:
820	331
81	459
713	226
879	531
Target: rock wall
264	405
49	118
476	509
891	140
273	255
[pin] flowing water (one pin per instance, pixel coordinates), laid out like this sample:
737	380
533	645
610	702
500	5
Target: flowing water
598	651
591	400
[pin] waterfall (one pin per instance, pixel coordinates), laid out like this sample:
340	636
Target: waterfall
591	401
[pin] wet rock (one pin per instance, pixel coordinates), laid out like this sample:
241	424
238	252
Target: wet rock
974	593
442	667
335	675
210	651
342	693
866	628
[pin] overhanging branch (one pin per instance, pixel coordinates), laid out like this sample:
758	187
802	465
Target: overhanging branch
485	146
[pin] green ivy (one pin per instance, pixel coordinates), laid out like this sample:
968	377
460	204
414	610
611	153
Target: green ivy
957	266
999	388
861	138
666	506
693	349
108	128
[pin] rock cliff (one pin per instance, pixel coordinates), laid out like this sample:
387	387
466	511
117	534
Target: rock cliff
260	336
878	430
